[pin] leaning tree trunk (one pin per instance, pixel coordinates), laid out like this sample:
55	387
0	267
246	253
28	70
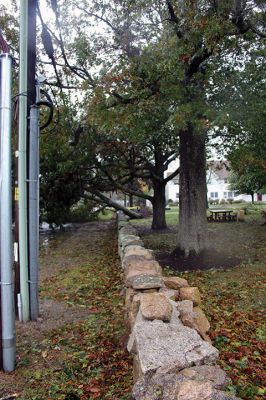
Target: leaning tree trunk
158	204
192	202
114	204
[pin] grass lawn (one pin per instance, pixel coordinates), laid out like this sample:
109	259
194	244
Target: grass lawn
233	298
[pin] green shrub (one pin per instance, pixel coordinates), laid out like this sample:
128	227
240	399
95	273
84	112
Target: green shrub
245	208
213	202
105	215
222	201
82	212
175	203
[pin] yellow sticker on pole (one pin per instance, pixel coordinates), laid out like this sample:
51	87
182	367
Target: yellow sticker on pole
16	193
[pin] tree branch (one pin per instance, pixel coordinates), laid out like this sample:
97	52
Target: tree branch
91	14
121	187
62	86
173	175
82	73
171	158
196	61
173	18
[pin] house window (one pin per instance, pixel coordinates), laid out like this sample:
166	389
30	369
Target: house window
177	195
230	195
214	195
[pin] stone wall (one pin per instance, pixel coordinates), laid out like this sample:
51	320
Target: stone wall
173	355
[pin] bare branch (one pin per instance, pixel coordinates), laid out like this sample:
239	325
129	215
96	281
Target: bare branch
62	86
124	189
96	16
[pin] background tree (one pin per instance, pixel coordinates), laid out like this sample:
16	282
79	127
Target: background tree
242	101
61	171
249	182
202	31
139	117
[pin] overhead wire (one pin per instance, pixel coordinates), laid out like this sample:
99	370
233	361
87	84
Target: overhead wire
48	103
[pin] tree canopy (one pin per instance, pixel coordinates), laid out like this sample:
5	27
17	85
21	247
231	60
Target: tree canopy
154	67
150	81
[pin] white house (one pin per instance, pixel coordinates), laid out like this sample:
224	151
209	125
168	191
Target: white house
217	184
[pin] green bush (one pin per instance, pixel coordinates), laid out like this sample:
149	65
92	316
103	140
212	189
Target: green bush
222	201
175	203
245	208
213	202
105	215
82	212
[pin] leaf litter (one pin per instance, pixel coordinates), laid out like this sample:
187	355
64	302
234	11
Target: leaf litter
233	297
76	350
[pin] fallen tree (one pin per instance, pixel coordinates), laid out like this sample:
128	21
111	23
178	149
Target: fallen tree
97	195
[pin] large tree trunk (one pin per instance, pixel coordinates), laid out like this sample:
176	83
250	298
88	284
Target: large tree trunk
252	198
192	203
159	203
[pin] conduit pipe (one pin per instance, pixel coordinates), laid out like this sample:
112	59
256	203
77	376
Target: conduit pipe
7	294
22	162
34	211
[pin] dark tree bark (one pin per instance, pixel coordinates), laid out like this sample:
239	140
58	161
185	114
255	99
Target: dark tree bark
192	211
252	197
159	203
158	183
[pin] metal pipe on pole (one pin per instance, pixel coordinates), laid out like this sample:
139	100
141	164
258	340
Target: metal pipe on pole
34	211
7	297
22	162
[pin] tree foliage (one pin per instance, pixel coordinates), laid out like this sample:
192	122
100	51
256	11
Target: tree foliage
154	65
145	74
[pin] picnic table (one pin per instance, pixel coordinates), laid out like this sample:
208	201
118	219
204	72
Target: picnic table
222	215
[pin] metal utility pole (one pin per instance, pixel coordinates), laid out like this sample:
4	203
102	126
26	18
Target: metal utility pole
33	164
22	162
31	52
7	298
